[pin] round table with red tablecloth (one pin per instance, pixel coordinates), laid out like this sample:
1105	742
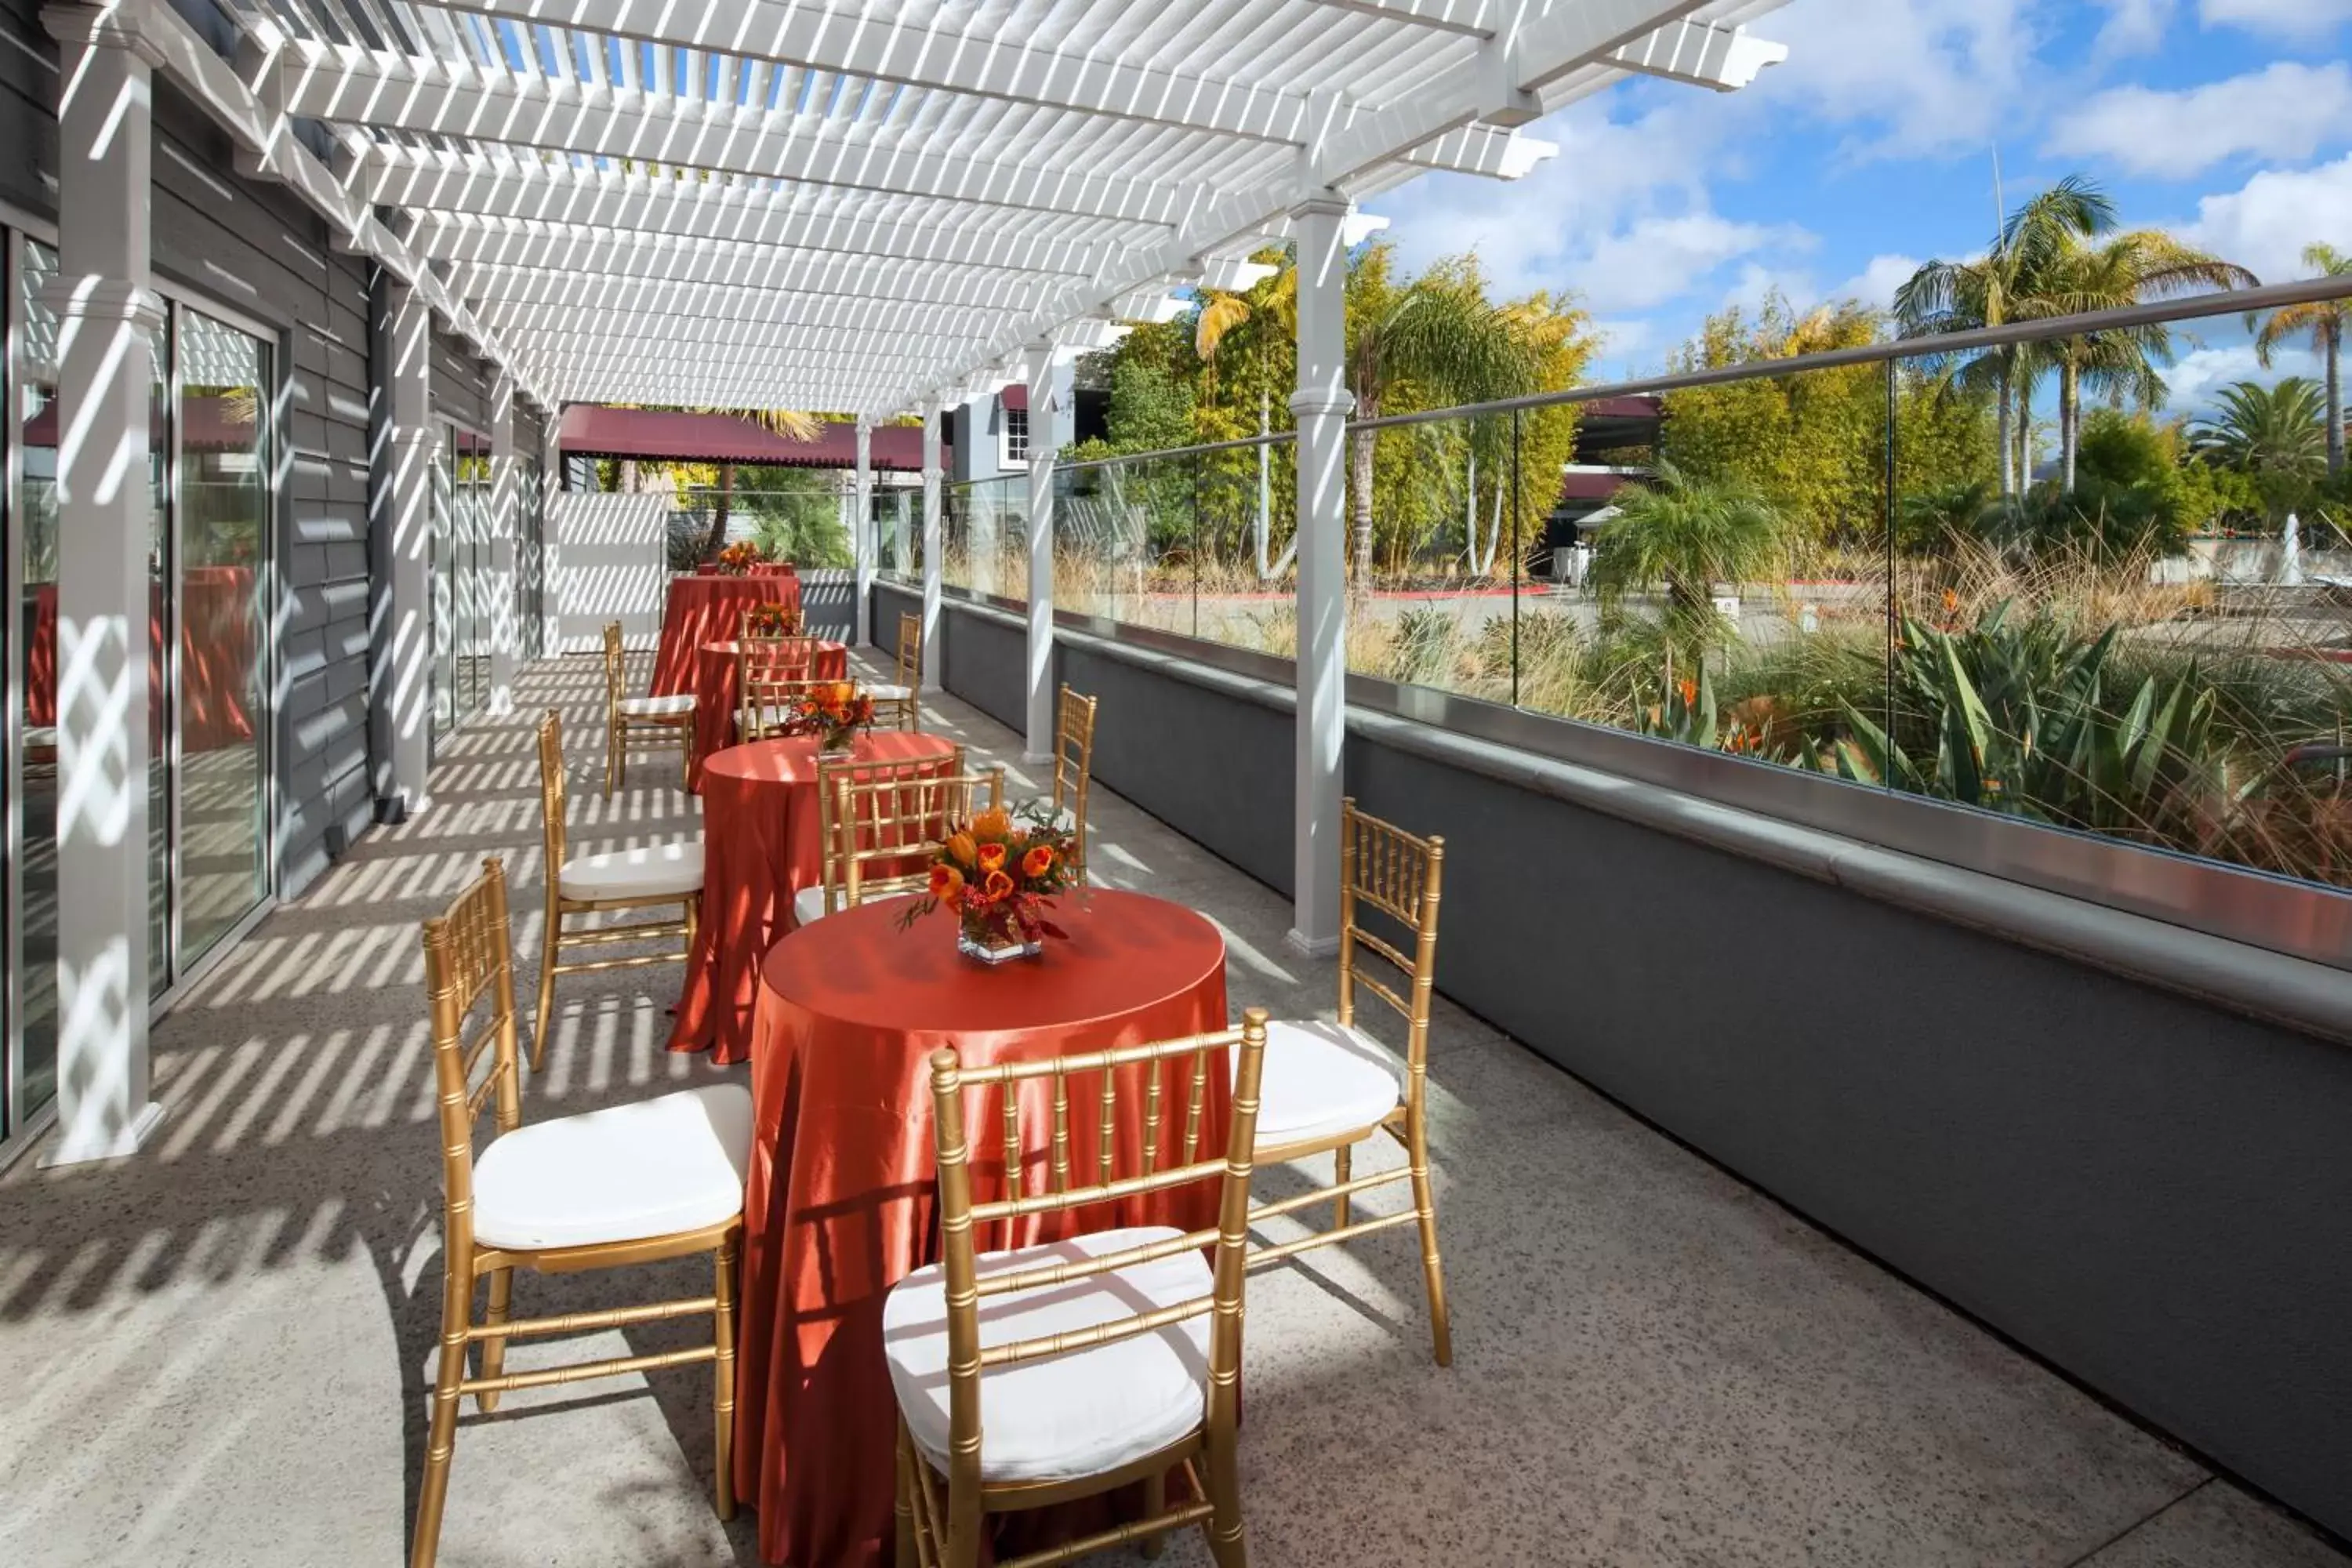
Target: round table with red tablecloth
840	1200
759	849
701	609
717	674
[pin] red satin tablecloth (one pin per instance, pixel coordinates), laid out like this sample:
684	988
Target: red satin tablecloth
760	848
840	1203
709	609
715	685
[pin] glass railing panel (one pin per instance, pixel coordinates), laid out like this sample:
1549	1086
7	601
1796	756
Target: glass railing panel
1247	562
1126	538
984	544
1434	526
1729	593
2142	629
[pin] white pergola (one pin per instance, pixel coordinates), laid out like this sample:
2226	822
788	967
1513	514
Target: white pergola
871	207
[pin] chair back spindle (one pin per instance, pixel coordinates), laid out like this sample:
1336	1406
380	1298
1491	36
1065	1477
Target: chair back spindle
1389	872
468	953
553	792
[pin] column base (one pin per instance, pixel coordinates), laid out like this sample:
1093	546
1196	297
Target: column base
1312	946
73	1151
1036	759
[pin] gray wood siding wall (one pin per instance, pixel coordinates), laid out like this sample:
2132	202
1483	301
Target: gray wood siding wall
255	248
461	384
29	122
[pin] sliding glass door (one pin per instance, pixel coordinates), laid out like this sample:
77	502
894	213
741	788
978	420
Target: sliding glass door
461	577
210	554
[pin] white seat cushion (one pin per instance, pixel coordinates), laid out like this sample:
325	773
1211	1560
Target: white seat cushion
1059	1417
808	904
672	706
1319	1081
773	718
892	693
652	871
654	1168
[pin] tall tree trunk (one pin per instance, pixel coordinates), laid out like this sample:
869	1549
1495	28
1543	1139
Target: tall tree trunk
2001	397
720	509
2335	403
1359	503
2070	423
2021	435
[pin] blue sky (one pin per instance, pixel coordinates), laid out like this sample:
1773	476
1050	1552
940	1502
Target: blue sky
1872	148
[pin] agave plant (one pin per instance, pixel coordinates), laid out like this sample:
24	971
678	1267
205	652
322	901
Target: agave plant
2027	717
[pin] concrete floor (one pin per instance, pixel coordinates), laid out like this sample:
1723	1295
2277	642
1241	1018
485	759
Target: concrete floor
215	1352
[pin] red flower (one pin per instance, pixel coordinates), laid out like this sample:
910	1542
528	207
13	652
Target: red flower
947	884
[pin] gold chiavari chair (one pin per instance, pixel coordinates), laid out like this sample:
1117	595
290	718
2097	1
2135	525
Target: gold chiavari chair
770	674
1074	764
669	719
643	877
1032	1376
658	1179
902	697
879	824
1330	1086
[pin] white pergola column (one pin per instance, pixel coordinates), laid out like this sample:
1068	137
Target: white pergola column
934	537
106	314
1039	746
551	548
862	532
400	545
1321	407
506	537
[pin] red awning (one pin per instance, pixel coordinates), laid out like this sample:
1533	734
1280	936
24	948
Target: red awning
656	435
1014	396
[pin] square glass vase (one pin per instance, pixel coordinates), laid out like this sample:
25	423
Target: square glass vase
1005	949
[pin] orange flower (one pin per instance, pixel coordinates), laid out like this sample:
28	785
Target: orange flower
841	693
991	856
998	886
947	884
1689	689
992	823
1037	862
959	846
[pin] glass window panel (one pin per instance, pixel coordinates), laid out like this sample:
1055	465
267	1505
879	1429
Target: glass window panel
224	533
36	517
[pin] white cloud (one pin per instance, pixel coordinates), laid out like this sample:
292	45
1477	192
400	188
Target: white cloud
2286	110
2201	372
2133	26
1875	284
2303	19
2265	224
1906	77
1621	218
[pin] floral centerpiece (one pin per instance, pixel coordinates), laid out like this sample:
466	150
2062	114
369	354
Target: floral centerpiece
834	712
1000	875
738	559
771	620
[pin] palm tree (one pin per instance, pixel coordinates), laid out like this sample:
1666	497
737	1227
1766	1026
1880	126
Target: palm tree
1277	313
790	424
1687	534
2323	323
1439	334
2121	270
2000	287
2276	434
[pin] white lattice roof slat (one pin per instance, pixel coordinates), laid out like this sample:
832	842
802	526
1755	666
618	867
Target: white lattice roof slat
854	204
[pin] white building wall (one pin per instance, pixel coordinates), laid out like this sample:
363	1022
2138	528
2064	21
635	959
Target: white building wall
610	565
